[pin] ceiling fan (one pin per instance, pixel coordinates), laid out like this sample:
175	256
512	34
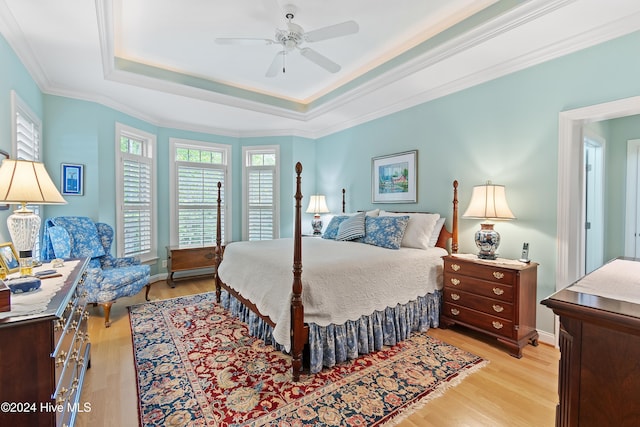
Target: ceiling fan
293	38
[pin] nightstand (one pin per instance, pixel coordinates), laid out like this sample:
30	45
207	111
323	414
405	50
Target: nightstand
496	297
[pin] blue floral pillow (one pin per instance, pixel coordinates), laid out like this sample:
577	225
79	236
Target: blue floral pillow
385	231
331	232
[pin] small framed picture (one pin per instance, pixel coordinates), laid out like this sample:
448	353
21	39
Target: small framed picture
394	178
72	179
9	257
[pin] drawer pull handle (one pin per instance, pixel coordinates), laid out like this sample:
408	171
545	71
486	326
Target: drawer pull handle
455	297
454	281
455	311
498	308
498	291
455	267
61	358
497	325
498	274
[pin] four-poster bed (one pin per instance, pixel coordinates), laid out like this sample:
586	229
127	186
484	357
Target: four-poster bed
413	276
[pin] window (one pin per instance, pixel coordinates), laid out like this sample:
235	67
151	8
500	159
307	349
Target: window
135	192
197	169
26	134
260	193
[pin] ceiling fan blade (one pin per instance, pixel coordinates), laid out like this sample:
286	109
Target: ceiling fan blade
247	41
320	60
337	30
276	64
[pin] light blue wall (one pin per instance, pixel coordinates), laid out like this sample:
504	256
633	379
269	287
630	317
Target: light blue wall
506	131
13	76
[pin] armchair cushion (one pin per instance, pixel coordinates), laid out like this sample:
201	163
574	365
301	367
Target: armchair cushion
84	240
108	278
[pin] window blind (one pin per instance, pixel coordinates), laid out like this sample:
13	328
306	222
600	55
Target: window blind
137	205
197	189
260	203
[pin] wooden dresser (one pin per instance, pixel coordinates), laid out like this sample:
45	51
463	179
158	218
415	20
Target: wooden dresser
186	259
599	377
43	360
497	298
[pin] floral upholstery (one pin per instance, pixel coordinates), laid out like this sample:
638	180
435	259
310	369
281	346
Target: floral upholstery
108	278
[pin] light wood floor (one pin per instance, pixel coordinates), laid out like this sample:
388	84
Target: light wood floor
507	392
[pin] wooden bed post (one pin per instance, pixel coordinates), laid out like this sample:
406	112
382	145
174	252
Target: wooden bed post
298	329
454	226
218	249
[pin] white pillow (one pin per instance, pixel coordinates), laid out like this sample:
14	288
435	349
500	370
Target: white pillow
419	228
433	241
374	213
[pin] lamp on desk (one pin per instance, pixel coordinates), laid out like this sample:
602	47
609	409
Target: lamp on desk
488	202
24	182
317	205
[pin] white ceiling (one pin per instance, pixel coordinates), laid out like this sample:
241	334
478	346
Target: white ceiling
157	59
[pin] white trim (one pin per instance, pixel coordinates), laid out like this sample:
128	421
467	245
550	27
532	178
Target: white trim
570	181
187	143
151	152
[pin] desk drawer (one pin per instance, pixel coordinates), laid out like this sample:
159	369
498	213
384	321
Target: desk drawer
485	322
489	289
480	271
479	303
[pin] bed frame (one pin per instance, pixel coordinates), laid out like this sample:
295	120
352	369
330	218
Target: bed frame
299	329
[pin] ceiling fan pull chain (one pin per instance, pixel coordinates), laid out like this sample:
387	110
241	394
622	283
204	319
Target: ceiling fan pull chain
284	56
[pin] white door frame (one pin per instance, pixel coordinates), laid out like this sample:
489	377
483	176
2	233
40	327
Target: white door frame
570	179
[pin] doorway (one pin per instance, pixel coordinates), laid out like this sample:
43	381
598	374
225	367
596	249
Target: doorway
632	222
593	236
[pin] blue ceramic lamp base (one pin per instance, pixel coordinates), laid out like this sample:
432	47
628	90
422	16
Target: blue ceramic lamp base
487	241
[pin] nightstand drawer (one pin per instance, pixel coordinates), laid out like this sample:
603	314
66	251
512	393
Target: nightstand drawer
499	291
496	325
480	271
486	305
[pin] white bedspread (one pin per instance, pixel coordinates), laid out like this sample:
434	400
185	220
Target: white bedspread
341	281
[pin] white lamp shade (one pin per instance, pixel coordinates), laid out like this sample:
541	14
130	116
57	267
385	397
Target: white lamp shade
317	205
23	182
488	201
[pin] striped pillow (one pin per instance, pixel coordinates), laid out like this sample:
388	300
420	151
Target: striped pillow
351	228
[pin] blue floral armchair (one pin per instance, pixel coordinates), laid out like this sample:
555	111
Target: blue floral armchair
108	278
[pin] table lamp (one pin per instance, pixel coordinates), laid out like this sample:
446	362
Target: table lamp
25	182
488	202
317	205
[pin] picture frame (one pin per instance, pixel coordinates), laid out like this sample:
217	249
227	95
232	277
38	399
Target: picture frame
72	179
3	155
394	178
9	257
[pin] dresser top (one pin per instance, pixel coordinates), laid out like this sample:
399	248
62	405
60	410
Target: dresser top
499	262
612	290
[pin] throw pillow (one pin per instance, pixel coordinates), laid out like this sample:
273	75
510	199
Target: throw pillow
352	227
385	231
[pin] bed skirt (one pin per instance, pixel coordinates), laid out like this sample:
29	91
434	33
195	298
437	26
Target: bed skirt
333	344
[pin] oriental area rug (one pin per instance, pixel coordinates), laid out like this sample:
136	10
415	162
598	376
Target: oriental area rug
197	366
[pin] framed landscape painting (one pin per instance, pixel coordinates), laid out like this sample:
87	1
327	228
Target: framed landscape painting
394	178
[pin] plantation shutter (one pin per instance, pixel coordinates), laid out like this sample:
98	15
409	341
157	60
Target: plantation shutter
137	207
27	138
197	203
27	145
260	203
